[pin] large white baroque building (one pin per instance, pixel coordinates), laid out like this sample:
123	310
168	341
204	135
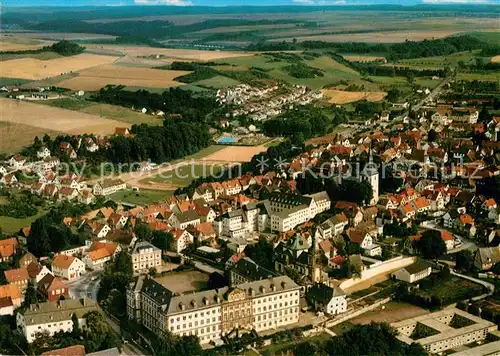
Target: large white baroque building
260	305
279	213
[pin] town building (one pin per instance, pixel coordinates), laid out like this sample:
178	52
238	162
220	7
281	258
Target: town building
443	330
414	272
67	267
210	315
53	316
145	256
108	187
326	299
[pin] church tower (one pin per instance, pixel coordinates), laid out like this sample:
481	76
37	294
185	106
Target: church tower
371	175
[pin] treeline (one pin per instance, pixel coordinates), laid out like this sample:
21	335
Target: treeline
175	139
302	71
152	29
203	72
64	48
171	101
391	71
304	122
396	51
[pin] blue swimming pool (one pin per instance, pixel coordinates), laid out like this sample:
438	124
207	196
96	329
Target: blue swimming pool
227	139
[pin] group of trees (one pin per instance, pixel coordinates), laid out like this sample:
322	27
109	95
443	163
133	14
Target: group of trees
63	48
113	286
371	339
304	122
431	245
175	139
20	205
49	234
303	71
160	239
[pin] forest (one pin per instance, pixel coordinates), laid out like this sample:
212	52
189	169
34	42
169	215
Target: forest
395	51
64	48
171	101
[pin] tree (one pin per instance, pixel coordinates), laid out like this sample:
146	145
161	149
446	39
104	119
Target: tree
216	280
432	135
97	334
76	325
464	260
162	239
143	232
307	348
123	263
431	245
152	272
31	296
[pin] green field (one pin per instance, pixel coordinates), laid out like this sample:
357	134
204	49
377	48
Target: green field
184	175
489	77
13	225
13	81
452	289
216	82
43	56
427	83
205	152
450	60
142	197
108	111
120	113
68	103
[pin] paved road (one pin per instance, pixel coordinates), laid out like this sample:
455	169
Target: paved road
85	286
466	243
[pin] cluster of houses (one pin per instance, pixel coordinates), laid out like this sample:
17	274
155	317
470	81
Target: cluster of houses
263	103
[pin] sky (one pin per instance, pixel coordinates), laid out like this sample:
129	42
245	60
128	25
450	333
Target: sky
231	2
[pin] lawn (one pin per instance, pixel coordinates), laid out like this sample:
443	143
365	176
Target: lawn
184	175
427	83
278	348
142	197
68	103
450	289
207	151
122	114
13	225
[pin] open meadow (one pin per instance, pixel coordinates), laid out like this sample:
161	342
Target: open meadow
95	78
30	68
335	96
48	118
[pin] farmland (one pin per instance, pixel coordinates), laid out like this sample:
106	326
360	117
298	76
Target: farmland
47	118
343	97
378	37
107	111
15	136
97	77
15	43
30	68
236	153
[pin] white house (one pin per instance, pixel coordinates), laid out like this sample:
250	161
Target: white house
329	300
53	316
414	272
182	239
109	186
67	267
43	152
17	161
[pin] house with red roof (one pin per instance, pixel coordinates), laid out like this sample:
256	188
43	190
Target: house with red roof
18	277
8	248
53	288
